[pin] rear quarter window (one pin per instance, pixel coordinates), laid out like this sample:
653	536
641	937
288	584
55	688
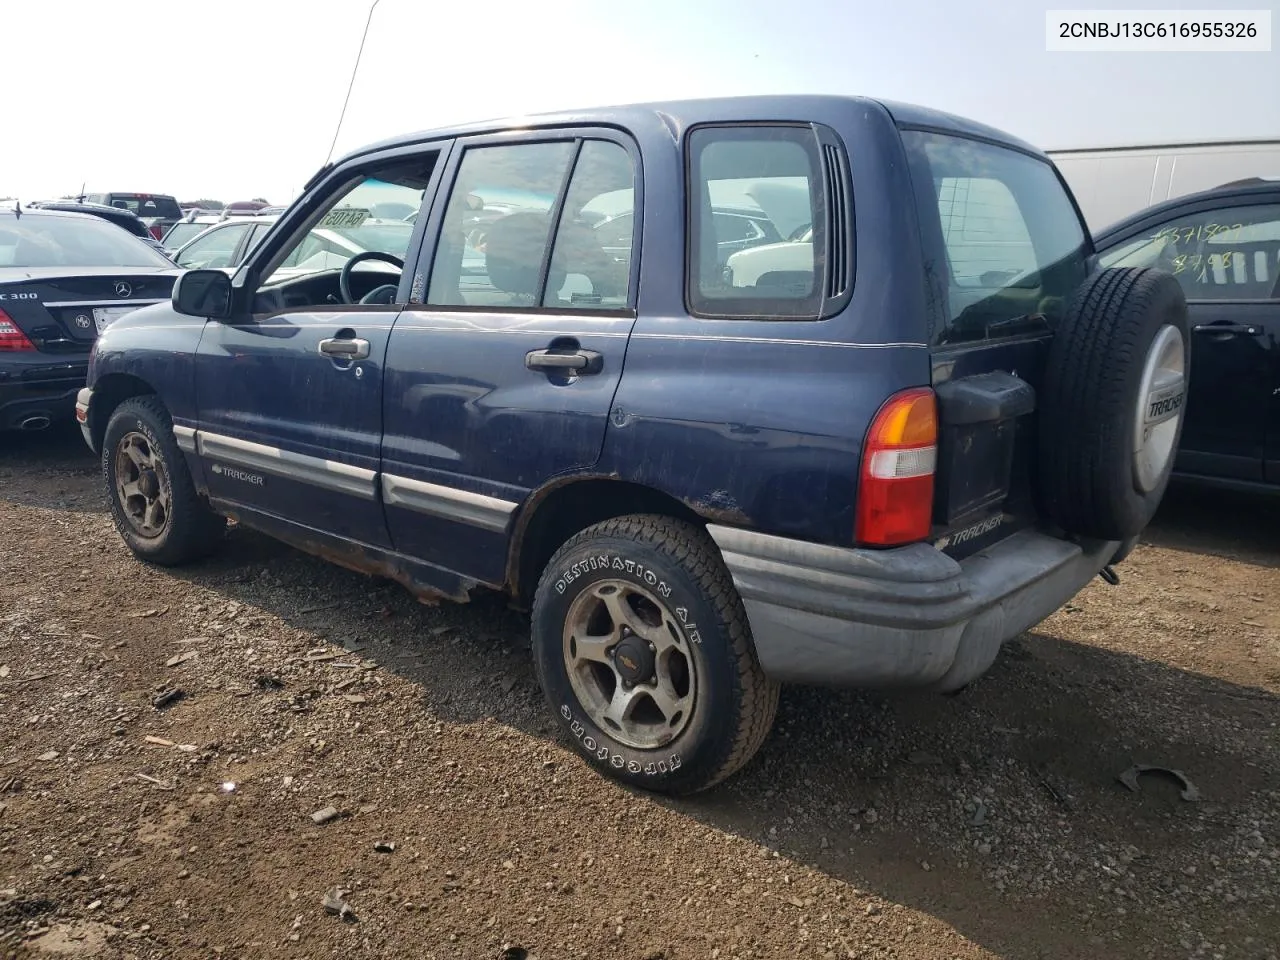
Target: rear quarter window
1003	244
758	222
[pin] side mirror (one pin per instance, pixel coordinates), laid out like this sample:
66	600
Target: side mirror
203	293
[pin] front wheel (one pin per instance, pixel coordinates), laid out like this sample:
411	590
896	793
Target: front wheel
153	499
642	647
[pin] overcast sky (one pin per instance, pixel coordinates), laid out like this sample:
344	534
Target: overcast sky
233	99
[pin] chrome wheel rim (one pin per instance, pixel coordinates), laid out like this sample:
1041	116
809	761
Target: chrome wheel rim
1161	398
142	485
629	664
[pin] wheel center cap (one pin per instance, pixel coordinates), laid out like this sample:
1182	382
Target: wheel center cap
633	659
149	484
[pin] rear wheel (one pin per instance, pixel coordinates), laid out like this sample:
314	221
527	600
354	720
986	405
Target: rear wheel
153	499
642	648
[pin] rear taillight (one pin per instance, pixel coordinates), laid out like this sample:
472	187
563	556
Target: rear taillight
895	490
12	339
157	231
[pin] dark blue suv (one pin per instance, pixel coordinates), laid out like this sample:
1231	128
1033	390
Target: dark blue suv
728	392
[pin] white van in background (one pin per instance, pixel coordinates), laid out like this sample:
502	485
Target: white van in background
1112	182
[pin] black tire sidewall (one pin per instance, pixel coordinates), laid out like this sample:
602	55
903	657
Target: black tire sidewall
1089	403
1133	509
183	524
706	740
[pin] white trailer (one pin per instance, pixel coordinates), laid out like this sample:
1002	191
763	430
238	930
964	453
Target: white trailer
1112	182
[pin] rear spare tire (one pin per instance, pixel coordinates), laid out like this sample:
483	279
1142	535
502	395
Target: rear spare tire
1111	405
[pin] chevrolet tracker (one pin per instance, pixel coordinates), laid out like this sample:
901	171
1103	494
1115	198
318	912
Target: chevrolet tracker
728	393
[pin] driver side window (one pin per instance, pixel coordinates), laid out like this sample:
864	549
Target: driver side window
310	268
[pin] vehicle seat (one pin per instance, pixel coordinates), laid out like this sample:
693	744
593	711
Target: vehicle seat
513	253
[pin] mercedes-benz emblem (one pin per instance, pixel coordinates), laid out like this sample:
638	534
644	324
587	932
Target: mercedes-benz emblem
123	289
82	321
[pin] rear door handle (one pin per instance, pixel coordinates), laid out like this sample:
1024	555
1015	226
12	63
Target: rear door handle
578	362
1245	329
353	349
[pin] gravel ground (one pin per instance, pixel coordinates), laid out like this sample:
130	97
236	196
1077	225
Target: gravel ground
986	824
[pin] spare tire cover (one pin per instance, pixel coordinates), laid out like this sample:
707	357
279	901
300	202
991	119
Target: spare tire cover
1111	403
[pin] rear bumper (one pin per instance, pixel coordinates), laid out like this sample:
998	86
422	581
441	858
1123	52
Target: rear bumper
31	393
906	617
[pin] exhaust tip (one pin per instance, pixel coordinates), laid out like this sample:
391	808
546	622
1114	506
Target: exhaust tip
35	423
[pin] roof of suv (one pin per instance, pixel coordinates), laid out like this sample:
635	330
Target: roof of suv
680	114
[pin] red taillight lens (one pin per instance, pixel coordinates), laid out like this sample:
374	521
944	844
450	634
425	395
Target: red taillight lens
895	490
12	339
157	231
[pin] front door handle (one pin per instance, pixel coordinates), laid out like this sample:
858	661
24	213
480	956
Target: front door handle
1245	329
345	349
575	362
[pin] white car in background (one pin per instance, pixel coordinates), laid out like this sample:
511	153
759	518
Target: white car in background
790	261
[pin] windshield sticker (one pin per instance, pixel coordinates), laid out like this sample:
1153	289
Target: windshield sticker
345	217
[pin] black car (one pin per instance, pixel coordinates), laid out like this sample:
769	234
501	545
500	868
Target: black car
63	278
123	219
1223	246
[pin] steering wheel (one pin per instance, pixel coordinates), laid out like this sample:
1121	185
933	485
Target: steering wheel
344	278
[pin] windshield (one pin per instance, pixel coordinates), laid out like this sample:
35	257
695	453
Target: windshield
71	241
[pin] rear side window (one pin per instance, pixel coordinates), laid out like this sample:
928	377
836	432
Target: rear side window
757	205
1002	243
544	225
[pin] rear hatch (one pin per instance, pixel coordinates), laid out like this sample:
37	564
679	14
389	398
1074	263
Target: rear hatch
63	311
1004	251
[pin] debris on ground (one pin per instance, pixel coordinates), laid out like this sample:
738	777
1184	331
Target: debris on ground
923	758
167	698
326	814
162	784
384	846
1189	791
979	814
335	903
181	658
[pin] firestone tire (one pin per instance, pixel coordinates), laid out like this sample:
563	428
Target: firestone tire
153	499
643	651
1112	403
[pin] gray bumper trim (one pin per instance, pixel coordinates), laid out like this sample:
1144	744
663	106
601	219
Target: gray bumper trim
910	616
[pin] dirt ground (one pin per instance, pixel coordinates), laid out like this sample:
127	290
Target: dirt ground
986	824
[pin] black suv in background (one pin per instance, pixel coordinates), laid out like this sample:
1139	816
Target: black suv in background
158	211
